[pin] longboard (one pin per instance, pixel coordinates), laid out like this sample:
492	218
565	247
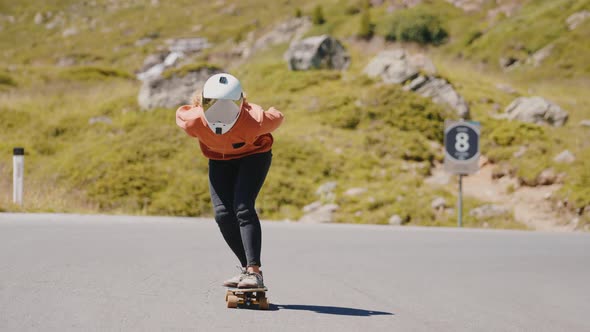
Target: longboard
247	297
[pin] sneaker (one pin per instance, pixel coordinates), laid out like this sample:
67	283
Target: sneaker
252	280
233	282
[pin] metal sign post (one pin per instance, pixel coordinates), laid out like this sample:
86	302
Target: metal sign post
461	153
18	169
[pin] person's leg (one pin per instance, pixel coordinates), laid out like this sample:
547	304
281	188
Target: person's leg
251	175
222	180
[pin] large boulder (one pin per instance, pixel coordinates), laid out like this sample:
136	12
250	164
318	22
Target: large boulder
284	32
398	67
318	52
536	110
441	92
179	51
173	91
392	66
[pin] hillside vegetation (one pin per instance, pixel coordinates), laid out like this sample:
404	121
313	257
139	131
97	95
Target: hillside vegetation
68	94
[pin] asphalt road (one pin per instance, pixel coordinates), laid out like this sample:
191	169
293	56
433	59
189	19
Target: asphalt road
111	273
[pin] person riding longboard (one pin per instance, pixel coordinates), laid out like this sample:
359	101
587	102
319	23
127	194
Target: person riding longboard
236	138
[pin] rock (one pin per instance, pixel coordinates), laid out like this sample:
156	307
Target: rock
505	7
396	220
547	177
172	58
438	204
312	207
69	32
152	60
326	188
585	123
536	110
488	211
231	10
39	19
355	191
423	63
538	57
576	19
152	73
565	157
143	41
441	92
318	52
521	151
173	91
507	62
66	61
320	214
100	119
157	69
392	66
506	88
468	5
188	45
289	30
417	83
397	67
502	170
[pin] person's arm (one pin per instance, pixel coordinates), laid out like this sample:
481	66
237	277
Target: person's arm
271	120
187	118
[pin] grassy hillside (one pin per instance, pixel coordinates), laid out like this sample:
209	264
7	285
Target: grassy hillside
341	126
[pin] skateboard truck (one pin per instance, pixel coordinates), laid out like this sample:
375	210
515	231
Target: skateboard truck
247	297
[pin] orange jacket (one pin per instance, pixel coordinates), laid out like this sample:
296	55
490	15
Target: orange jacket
249	135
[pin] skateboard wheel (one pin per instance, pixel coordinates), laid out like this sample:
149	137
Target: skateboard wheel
263	304
232	301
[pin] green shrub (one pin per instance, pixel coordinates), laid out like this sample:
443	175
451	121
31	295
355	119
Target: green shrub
390	106
410	146
6	80
509	133
318	16
298	12
577	187
352	10
417	26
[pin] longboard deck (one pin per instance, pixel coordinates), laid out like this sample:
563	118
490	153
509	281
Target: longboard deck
235	289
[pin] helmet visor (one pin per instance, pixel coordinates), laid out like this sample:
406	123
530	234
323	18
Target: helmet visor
207	103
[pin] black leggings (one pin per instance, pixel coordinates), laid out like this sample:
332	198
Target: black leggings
234	185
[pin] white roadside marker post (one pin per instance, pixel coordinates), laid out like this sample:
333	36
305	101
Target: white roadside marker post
18	170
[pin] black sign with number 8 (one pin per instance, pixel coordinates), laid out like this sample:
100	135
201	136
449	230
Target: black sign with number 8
462	142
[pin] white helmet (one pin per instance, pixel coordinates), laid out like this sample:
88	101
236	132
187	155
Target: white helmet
222	86
222	102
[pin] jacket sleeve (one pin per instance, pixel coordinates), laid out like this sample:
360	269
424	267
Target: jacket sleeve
187	118
271	120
